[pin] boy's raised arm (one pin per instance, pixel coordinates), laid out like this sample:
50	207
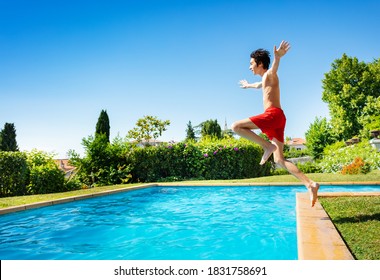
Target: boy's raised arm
278	53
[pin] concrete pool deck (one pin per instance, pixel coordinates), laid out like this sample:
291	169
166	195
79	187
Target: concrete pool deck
318	239
317	236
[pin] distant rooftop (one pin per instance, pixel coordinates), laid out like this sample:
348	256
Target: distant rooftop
296	141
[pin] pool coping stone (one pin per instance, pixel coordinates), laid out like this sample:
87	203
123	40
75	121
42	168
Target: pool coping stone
12	209
317	236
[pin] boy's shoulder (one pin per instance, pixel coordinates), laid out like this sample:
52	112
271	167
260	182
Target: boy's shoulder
269	77
269	74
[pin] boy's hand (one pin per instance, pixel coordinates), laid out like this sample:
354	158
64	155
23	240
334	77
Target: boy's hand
282	50
244	84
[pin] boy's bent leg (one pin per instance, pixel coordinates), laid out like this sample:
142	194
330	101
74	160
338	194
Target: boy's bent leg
267	153
244	129
312	186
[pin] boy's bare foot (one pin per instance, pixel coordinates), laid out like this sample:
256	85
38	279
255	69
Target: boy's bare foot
313	190
267	153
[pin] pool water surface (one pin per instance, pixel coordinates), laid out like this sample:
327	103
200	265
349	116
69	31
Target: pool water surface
161	223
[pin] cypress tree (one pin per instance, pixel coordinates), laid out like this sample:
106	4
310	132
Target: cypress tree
8	141
103	125
190	133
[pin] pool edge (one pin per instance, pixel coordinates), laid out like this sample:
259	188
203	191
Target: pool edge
317	236
18	208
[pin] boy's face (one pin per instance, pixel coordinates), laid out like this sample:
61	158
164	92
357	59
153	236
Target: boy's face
253	66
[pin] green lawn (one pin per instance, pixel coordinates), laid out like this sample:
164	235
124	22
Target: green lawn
358	221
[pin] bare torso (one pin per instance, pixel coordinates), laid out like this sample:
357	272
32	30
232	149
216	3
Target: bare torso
271	90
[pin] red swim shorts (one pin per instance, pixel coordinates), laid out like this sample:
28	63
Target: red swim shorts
271	122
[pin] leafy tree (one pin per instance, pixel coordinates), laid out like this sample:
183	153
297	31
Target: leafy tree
8	141
211	128
318	137
370	118
147	128
190	133
348	89
103	125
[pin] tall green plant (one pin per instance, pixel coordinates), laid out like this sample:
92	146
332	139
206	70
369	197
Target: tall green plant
8	138
370	117
103	125
104	163
347	89
318	137
190	133
211	128
147	128
14	173
45	176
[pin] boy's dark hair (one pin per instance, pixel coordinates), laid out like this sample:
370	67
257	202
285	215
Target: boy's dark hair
261	56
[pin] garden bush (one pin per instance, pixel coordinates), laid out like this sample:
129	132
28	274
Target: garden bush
358	166
307	167
104	163
209	159
336	157
293	153
13	173
46	179
45	176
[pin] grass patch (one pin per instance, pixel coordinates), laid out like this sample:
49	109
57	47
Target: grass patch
374	176
358	221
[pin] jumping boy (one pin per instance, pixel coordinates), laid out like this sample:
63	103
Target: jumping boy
272	121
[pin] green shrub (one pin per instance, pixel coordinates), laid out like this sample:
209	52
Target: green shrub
209	159
231	159
309	167
104	163
358	166
46	179
279	171
13	173
337	156
293	153
35	172
45	176
73	183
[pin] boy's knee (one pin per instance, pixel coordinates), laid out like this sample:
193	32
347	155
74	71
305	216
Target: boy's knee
235	126
279	161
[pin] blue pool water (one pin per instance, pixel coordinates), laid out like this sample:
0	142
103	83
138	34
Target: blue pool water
180	223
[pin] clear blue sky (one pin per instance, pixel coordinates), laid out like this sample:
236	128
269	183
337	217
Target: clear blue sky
62	62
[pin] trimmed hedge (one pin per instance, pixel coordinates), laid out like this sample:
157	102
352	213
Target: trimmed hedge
36	173
31	173
208	159
14	173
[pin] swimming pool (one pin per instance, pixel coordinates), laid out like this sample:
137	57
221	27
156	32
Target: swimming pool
179	223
